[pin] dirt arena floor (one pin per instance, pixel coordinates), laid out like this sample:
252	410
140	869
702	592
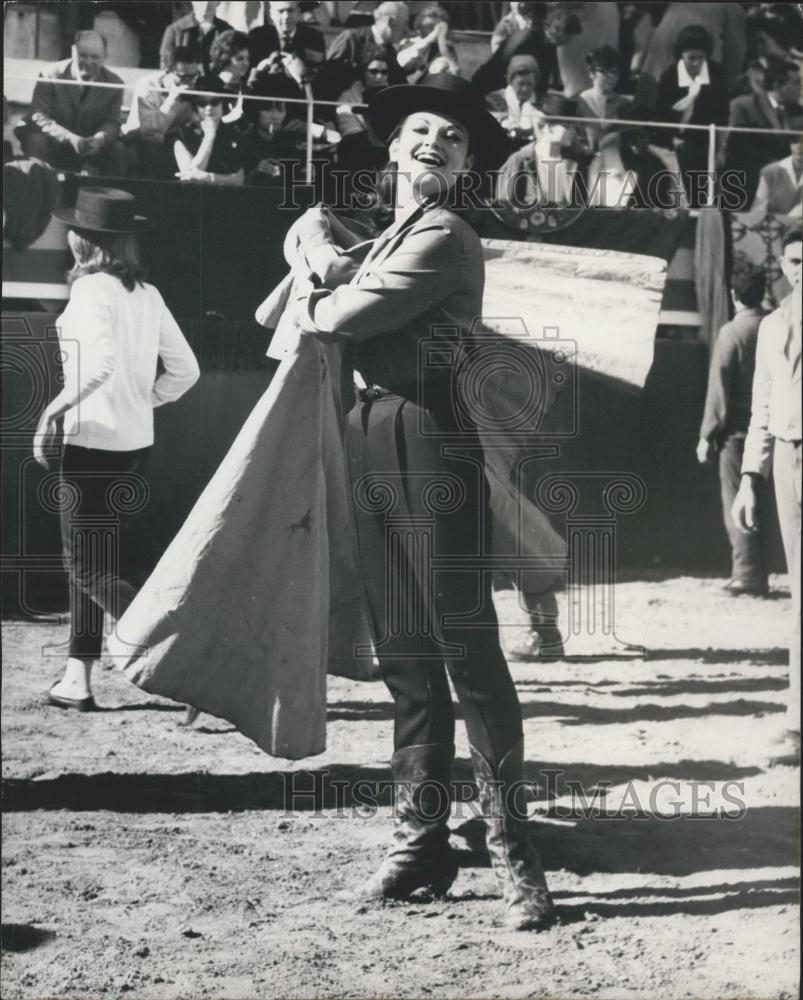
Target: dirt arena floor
142	859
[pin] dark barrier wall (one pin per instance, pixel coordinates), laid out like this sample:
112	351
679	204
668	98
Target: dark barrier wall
654	436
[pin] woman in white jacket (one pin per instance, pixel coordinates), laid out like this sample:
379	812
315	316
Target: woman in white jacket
114	332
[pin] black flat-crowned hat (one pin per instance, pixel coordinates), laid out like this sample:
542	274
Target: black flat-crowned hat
443	94
104	210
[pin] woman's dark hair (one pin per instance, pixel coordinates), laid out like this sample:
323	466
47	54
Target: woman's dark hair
605	57
748	281
694	37
107	253
224	47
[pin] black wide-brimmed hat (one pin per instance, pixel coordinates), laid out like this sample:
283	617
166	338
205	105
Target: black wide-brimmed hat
104	210
442	94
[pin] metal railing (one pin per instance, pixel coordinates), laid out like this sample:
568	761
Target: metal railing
310	103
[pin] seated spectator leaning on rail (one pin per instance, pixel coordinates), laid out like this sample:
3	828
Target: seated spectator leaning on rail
780	184
515	106
692	92
158	107
600	100
431	41
727	416
273	143
206	148
196	30
75	125
355	47
778	109
285	35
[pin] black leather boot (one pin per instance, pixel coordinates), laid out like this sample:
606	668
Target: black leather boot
421	857
513	857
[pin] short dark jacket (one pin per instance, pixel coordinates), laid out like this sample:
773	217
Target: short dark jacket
422	281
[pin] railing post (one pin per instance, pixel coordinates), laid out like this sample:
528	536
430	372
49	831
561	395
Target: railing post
308	165
712	160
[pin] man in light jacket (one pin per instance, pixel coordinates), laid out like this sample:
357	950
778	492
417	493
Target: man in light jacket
774	443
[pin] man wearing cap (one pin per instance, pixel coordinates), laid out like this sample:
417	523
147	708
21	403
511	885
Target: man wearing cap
355	47
515	105
74	125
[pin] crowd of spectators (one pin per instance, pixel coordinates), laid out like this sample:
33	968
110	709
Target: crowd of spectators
582	119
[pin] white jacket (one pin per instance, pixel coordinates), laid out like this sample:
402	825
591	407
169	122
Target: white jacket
112	340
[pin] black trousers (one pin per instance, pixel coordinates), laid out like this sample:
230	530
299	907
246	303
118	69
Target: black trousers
422	525
100	490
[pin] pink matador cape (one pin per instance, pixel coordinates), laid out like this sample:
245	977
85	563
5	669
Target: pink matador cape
259	595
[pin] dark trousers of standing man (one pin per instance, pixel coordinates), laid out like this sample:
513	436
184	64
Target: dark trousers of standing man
100	490
748	549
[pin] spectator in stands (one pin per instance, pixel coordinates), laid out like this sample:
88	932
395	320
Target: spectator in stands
725	23
520	17
285	35
373	78
206	148
515	106
115	329
574	29
531	41
197	30
780	185
73	125
229	60
779	108
358	149
692	92
772	32
601	100
727	416
636	26
417	54
773	444
159	106
355	47
273	143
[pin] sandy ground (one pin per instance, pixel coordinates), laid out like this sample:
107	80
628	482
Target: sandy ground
147	860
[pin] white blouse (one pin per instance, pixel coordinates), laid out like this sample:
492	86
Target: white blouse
111	341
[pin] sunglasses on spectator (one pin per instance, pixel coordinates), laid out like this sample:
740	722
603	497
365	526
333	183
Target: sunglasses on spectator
377	71
204	102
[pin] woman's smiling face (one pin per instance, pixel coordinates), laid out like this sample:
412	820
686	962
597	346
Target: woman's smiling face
431	150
